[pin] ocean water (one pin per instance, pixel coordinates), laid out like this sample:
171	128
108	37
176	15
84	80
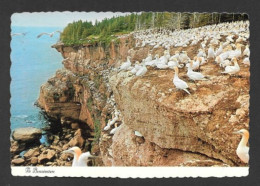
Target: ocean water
33	63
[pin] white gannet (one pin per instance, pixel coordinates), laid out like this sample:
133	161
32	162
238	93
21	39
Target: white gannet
126	65
246	52
148	58
138	134
113	131
142	70
153	62
194	75
173	63
179	84
219	50
80	159
176	55
235	53
18	34
211	53
201	53
194	65
246	61
183	57
243	150
225	63
107	127
232	69
49	34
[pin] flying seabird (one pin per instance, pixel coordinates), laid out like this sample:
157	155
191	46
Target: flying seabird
49	34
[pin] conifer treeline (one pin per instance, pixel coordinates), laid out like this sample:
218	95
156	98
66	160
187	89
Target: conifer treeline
85	32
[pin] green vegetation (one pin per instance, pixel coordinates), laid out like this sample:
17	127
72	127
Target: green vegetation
97	131
104	32
89	103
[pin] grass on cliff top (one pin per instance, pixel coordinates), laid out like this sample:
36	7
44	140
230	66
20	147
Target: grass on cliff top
96	39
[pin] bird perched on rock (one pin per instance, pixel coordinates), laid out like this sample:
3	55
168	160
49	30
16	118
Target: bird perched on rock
211	53
246	52
113	131
142	70
243	150
246	61
138	134
126	65
194	75
180	84
232	69
80	159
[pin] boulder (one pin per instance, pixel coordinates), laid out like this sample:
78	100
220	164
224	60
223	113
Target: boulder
27	134
46	156
18	161
77	140
17	147
34	160
32	153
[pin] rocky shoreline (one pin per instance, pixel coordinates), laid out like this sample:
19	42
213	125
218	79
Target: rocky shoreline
26	149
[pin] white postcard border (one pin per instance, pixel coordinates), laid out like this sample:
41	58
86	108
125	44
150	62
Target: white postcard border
131	172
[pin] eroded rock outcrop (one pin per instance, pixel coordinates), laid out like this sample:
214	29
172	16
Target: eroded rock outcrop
202	122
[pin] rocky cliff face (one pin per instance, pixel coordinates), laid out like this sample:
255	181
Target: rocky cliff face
178	129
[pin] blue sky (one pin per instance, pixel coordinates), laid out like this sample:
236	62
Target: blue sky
57	19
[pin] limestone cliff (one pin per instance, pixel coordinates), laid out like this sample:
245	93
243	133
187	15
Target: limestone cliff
178	129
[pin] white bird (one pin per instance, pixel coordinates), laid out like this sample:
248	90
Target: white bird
201	53
219	50
49	34
243	150
113	131
138	134
141	71
148	58
173	63
246	61
183	57
225	63
126	65
80	159
18	34
153	62
194	75
232	69
179	84
194	65
107	127
246	52
133	71
176	55
235	53
202	60
211	53
113	121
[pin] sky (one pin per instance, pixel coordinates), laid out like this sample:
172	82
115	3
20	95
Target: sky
57	19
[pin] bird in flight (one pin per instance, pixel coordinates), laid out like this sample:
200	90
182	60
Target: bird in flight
49	34
19	34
